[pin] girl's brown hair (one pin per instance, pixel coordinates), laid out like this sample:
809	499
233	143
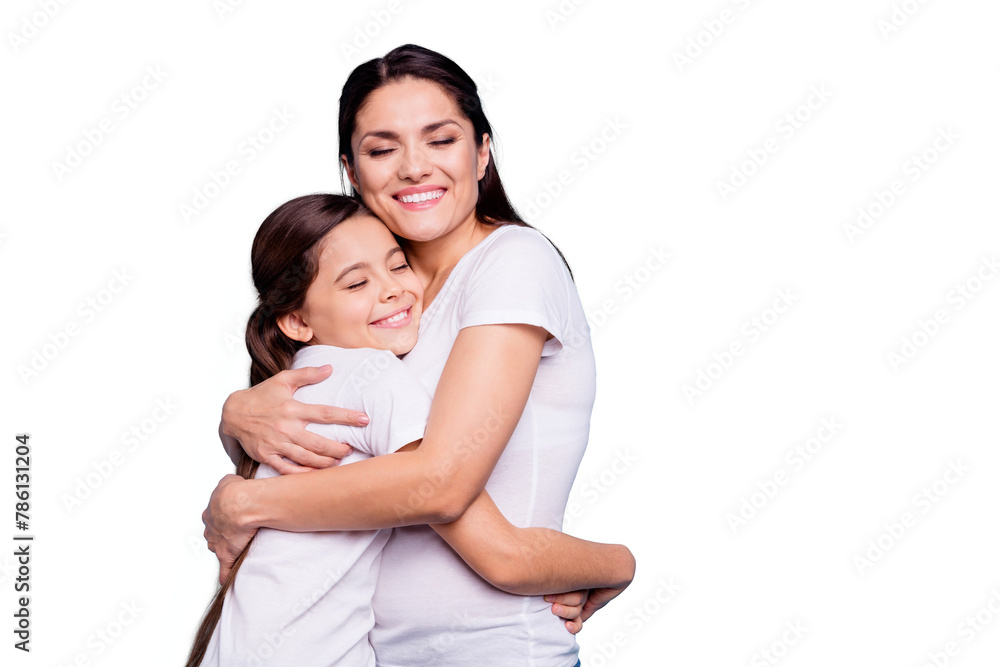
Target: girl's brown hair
284	261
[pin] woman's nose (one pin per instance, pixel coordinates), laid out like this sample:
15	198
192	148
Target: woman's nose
414	164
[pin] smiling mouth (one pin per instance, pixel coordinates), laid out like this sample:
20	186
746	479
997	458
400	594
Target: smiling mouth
398	319
420	197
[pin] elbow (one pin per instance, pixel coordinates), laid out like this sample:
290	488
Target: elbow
510	582
626	565
507	569
449	505
444	494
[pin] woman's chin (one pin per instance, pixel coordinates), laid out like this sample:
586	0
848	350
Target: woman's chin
421	226
420	233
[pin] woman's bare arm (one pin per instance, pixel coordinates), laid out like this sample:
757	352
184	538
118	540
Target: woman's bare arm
479	400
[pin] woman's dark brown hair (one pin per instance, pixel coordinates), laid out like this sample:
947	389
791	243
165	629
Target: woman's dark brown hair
410	61
284	261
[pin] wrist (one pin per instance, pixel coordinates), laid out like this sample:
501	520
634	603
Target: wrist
247	507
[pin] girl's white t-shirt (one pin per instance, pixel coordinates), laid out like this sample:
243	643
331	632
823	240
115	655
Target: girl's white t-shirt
430	607
305	599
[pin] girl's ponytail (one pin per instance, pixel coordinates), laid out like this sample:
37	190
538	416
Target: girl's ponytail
263	364
270	350
284	261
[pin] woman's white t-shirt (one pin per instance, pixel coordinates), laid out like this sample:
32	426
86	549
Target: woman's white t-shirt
305	599
430	607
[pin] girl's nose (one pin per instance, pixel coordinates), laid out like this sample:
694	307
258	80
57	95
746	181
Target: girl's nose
391	288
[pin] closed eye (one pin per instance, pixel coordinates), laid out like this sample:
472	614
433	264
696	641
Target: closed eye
359	284
401	267
443	142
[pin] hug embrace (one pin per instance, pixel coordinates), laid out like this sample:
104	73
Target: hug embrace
422	336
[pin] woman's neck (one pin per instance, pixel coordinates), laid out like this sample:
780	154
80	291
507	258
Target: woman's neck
433	261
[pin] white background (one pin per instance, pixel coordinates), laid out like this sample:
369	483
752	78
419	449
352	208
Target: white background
662	134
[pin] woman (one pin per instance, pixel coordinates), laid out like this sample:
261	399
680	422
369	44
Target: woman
334	288
505	351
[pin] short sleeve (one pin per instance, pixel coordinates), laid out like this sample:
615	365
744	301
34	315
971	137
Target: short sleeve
519	279
395	401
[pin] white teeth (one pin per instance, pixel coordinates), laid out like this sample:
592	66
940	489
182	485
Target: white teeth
398	317
421	196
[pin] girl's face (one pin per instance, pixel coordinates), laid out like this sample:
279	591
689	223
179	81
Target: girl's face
416	164
364	294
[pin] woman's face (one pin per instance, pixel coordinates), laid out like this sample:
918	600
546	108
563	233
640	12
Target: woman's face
364	294
416	163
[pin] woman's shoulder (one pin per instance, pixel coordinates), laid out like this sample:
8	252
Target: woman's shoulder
524	245
511	233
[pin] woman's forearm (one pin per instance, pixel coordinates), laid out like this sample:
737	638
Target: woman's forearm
533	561
381	492
478	403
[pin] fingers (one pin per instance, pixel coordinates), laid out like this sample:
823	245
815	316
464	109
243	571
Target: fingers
224	548
594	603
290	457
323	452
300	377
207	533
326	414
223	572
305	458
571	607
571	599
567	612
284	466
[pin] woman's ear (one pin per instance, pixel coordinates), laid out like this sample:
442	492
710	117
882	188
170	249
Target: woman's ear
293	326
351	176
483	156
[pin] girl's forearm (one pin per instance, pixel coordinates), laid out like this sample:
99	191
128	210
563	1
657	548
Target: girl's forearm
543	561
553	562
533	561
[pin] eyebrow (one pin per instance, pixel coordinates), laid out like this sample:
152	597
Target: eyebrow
365	265
426	129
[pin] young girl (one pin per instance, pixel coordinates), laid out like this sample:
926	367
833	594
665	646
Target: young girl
335	288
